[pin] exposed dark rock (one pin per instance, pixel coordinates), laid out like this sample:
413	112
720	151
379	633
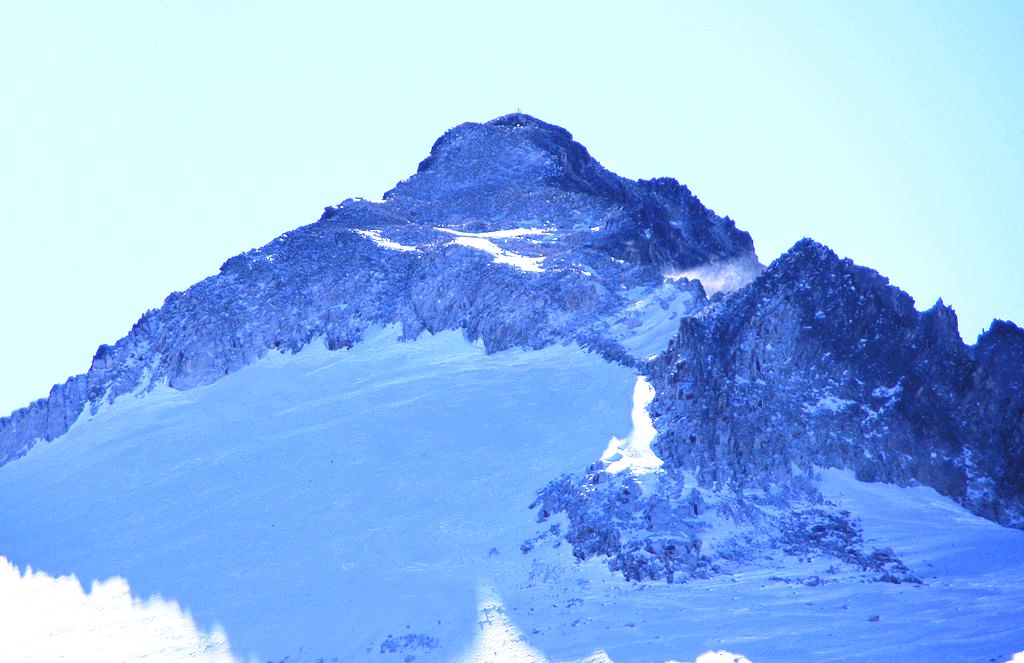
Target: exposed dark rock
821	362
645	537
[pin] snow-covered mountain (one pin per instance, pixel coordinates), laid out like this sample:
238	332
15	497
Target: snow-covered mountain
524	409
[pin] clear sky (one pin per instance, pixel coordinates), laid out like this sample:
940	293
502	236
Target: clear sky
144	142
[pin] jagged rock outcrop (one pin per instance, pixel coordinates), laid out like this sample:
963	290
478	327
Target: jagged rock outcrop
657	531
821	362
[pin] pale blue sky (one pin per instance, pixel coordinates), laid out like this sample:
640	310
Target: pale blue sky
144	142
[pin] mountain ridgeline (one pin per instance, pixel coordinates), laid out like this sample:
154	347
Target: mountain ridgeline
512	233
593	232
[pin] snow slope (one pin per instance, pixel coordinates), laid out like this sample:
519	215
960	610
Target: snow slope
370	504
784	609
323	501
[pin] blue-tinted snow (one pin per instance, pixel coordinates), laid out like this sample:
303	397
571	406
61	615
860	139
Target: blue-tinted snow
645	327
634	453
321	501
369	505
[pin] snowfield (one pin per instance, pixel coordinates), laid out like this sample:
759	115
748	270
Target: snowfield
370	504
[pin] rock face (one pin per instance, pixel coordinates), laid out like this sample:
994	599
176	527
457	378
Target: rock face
511	232
821	362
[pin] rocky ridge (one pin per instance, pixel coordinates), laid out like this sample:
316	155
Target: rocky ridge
821	362
509	231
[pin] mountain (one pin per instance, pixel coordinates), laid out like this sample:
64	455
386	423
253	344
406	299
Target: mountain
523	405
423	259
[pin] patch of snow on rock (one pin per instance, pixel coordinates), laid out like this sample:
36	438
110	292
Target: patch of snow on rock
482	242
511	233
383	242
634	453
828	403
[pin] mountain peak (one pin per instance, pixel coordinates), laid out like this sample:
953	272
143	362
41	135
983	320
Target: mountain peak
1000	333
519	120
517	171
807	250
509	151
